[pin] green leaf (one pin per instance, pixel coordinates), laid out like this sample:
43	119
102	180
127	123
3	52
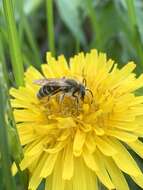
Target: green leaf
15	149
30	6
69	13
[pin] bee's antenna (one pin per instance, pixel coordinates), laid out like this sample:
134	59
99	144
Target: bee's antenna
91	94
84	82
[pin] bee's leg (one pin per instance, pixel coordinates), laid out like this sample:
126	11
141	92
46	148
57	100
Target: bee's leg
61	98
90	94
48	98
77	100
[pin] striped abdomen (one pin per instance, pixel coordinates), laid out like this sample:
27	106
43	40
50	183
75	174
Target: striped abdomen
47	91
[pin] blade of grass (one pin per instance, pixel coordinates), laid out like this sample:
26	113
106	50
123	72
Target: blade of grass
134	29
5	156
2	60
50	26
14	45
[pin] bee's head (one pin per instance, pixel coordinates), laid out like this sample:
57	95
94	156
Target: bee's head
82	92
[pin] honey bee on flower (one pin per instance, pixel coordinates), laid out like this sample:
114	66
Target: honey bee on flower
65	86
73	150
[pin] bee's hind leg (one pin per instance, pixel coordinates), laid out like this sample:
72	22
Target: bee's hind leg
77	101
61	99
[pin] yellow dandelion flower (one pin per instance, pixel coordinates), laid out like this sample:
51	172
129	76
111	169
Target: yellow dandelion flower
72	147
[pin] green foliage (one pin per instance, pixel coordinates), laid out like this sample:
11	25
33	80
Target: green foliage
70	15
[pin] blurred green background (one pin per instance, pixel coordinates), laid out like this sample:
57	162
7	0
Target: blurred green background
66	27
111	26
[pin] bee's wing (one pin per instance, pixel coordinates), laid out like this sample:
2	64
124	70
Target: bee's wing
41	81
52	82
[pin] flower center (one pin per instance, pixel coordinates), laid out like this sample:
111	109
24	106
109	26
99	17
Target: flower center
68	107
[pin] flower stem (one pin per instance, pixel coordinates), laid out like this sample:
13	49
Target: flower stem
5	155
134	28
14	45
50	26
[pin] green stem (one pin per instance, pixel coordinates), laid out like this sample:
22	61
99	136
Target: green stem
50	26
14	45
94	23
134	29
2	60
77	46
5	156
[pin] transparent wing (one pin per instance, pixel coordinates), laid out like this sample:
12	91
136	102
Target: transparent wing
52	82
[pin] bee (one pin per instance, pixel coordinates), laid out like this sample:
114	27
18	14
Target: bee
65	86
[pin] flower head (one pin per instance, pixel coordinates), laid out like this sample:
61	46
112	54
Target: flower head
73	145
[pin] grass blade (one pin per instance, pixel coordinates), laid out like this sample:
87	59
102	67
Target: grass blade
2	60
14	45
50	26
134	29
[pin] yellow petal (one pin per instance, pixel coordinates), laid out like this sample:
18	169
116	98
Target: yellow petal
105	147
55	180
137	146
31	75
29	116
78	142
102	172
48	183
90	161
14	169
116	175
82	177
124	160
27	138
122	135
76	69
57	147
68	163
48	165
35	178
99	131
138	180
35	147
47	71
27	161
90	143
